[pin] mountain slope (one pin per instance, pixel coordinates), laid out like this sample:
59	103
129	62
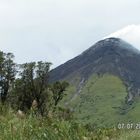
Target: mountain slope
111	55
104	80
100	97
101	102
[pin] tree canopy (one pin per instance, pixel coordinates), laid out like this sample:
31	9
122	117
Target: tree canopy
25	84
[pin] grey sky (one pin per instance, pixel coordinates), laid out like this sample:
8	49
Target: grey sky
57	30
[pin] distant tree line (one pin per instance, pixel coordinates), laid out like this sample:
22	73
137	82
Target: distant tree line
22	85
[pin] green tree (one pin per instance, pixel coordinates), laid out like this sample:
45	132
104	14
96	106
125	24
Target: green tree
41	83
32	85
26	85
7	74
58	90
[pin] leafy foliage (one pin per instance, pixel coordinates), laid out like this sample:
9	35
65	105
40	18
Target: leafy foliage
25	84
58	90
32	84
7	74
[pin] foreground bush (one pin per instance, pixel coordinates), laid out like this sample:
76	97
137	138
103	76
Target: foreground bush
12	127
29	127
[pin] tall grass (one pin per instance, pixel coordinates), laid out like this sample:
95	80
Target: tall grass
12	127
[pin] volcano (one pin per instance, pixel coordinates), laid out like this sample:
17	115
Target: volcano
105	77
111	55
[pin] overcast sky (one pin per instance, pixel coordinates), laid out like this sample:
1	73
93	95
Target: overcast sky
58	30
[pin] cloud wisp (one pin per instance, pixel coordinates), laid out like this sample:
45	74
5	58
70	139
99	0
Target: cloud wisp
130	33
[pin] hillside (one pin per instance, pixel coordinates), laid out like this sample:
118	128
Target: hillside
104	80
101	97
113	56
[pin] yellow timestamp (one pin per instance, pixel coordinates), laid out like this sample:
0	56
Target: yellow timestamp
128	126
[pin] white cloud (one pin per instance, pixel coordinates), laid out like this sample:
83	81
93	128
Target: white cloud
130	33
58	30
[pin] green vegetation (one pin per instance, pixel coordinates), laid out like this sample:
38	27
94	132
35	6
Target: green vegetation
30	127
100	98
25	89
101	103
23	85
33	109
